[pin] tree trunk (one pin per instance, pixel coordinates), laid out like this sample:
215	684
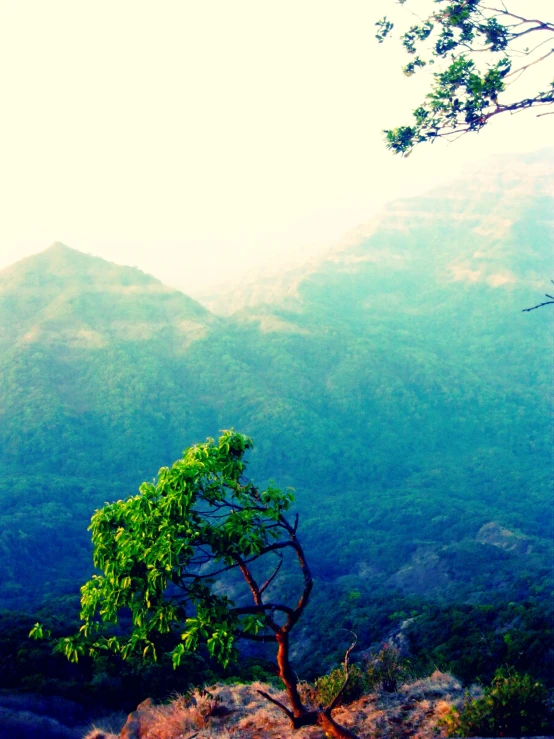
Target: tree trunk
299	716
330	726
287	675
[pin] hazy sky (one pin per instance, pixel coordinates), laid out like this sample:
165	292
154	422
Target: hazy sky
196	140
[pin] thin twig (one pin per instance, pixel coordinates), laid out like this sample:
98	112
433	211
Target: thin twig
518	17
540	305
522	69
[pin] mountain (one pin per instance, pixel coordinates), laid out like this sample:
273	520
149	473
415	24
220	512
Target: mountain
92	396
83	341
493	226
395	383
63	297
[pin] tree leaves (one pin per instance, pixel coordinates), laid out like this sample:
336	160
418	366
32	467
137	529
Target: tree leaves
467	92
161	550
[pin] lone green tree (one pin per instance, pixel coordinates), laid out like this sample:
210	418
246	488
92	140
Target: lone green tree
165	554
482	47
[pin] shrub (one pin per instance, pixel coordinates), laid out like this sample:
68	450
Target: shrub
327	686
513	705
387	669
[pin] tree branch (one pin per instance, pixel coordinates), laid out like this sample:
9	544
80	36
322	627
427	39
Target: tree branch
243	610
522	69
308	581
269	548
256	594
542	27
549	26
540	305
277	703
271	577
252	584
339	695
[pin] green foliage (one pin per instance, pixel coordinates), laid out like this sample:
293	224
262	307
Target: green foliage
473	641
161	550
478	45
513	705
39	632
387	669
339	403
407	409
107	683
328	686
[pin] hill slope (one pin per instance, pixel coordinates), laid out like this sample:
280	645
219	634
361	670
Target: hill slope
396	384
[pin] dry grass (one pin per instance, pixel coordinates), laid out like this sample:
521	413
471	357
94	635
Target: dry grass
239	712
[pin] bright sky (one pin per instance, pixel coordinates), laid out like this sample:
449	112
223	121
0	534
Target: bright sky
197	140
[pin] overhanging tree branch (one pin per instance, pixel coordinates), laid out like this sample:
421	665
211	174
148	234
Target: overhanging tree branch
465	95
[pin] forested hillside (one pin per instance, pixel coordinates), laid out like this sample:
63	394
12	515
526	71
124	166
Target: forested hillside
395	384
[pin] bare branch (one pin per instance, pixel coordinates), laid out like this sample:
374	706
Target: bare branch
540	305
550	39
531	64
541	27
252	584
271	577
277	703
339	695
270	548
550	302
308	584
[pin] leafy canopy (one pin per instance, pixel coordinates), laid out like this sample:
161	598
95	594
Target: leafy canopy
161	550
485	47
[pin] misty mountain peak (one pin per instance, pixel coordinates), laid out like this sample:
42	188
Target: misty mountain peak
62	293
61	266
59	247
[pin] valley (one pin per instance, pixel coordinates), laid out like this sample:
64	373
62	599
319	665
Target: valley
394	383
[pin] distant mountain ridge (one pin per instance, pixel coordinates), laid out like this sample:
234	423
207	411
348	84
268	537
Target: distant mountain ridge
502	212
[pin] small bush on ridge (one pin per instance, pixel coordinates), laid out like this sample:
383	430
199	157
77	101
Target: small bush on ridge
327	686
513	705
387	669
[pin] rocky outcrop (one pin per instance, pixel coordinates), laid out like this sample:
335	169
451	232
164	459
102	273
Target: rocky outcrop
425	573
239	710
497	536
